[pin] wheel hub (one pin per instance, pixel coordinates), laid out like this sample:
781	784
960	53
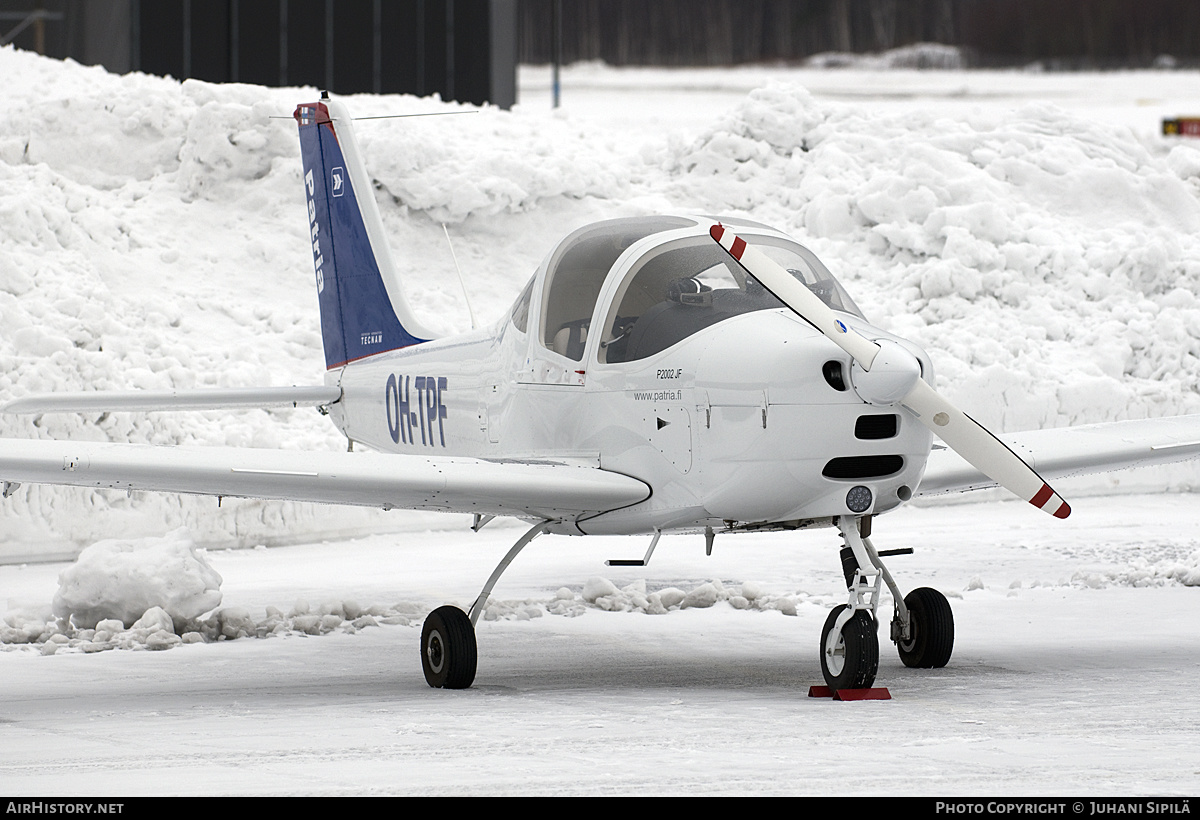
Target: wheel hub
835	652
435	651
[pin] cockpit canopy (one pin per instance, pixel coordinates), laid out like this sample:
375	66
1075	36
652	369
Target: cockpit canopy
673	289
577	272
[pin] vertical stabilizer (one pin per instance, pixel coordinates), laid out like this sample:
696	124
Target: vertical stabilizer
363	310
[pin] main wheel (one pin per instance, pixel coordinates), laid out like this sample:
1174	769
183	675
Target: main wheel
448	650
849	658
932	630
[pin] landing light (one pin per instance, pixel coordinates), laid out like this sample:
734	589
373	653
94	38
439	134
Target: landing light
858	499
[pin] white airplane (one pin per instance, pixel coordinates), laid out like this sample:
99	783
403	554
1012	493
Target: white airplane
657	374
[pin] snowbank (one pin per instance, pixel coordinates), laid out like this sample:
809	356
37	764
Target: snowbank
1049	264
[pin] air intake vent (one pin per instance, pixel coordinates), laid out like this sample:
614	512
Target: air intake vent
863	467
832	371
874	427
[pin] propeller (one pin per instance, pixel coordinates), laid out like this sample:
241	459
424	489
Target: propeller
883	373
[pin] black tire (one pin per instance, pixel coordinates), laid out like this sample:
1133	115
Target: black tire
932	624
448	650
850	660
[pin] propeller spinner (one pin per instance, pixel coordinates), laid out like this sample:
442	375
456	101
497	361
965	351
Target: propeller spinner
885	374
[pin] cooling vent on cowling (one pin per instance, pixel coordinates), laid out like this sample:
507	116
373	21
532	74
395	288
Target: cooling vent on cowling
876	427
859	467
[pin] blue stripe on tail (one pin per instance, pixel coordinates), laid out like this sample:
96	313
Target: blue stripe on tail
357	317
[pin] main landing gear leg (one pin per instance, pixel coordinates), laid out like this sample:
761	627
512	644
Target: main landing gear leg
449	654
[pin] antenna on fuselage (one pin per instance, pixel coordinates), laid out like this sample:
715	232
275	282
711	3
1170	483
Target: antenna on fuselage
461	283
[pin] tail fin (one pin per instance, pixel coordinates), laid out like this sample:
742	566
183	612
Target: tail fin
363	310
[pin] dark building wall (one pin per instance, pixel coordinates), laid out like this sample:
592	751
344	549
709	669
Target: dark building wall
449	47
258	58
305	39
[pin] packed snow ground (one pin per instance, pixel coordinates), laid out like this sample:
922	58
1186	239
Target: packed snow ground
1031	230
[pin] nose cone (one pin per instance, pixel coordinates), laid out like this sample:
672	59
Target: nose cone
891	377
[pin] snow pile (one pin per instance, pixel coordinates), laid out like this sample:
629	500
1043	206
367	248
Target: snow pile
916	55
158	593
1144	572
1049	264
164	582
122	579
153	237
156	629
469	168
601	593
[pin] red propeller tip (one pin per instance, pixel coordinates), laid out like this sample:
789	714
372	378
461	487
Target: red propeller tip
1044	496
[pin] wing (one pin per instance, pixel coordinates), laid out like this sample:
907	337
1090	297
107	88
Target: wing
555	490
1072	451
214	398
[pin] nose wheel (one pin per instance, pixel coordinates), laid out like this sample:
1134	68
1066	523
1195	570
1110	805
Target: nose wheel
849	649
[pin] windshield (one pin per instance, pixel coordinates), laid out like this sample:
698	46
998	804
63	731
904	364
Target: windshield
682	287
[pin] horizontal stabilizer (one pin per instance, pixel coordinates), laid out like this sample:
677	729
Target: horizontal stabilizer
541	490
216	398
1072	451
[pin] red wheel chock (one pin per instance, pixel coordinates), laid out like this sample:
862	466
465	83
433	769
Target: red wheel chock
878	693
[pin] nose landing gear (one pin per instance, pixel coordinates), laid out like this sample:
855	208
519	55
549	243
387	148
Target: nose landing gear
922	627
